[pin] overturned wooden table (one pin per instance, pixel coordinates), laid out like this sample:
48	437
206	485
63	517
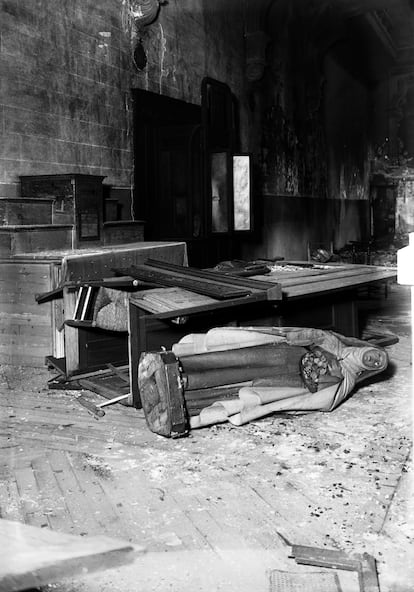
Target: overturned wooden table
314	295
325	295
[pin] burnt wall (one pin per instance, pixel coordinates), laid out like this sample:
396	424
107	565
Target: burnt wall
291	148
67	72
293	222
346	123
312	132
64	90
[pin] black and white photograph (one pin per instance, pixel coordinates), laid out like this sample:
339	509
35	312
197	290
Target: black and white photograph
206	295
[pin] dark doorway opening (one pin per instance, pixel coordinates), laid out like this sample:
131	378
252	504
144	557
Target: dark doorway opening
169	177
168	170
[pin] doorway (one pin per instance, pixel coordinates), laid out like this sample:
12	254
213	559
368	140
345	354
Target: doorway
168	170
169	177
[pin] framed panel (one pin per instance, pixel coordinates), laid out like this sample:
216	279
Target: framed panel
242	193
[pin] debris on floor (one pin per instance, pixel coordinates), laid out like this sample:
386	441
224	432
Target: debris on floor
240	374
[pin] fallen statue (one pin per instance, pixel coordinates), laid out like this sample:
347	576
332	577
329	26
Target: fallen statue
240	374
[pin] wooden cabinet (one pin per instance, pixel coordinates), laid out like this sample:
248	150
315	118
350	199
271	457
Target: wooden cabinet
77	200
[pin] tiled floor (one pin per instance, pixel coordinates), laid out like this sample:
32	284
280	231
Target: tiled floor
210	508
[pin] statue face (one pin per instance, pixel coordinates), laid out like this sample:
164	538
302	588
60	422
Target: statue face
373	359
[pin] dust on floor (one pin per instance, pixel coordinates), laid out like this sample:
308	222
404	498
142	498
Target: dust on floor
210	508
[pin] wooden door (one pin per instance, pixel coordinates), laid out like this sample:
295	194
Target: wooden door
177	212
170	179
168	191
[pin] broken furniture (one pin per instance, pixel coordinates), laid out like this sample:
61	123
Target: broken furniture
213	293
52	216
202	298
323	296
363	564
239	374
33	557
31	331
88	348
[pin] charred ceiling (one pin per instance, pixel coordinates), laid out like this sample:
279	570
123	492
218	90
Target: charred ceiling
372	39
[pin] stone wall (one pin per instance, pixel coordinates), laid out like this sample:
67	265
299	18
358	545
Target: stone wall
64	90
191	40
292	223
65	102
67	71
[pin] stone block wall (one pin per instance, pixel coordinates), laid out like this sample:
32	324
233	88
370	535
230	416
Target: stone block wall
67	71
64	90
190	40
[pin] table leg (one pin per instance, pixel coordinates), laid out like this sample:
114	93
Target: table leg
137	345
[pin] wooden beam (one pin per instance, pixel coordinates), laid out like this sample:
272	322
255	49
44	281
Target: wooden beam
32	557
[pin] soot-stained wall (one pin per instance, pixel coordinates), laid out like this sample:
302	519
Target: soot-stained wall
64	90
67	72
346	117
293	151
65	105
313	150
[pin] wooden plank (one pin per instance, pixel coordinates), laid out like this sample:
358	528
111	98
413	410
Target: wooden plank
9	497
201	286
71	334
329	285
170	299
97	265
213	275
25	327
25	309
203	309
216	278
331	558
82	509
335	276
47	296
27	489
51	497
32	557
23	319
106	388
29	329
22	340
24	275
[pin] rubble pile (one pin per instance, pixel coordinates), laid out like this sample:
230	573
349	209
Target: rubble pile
382	252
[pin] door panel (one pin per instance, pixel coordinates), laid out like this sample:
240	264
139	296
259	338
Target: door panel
179	184
169	177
